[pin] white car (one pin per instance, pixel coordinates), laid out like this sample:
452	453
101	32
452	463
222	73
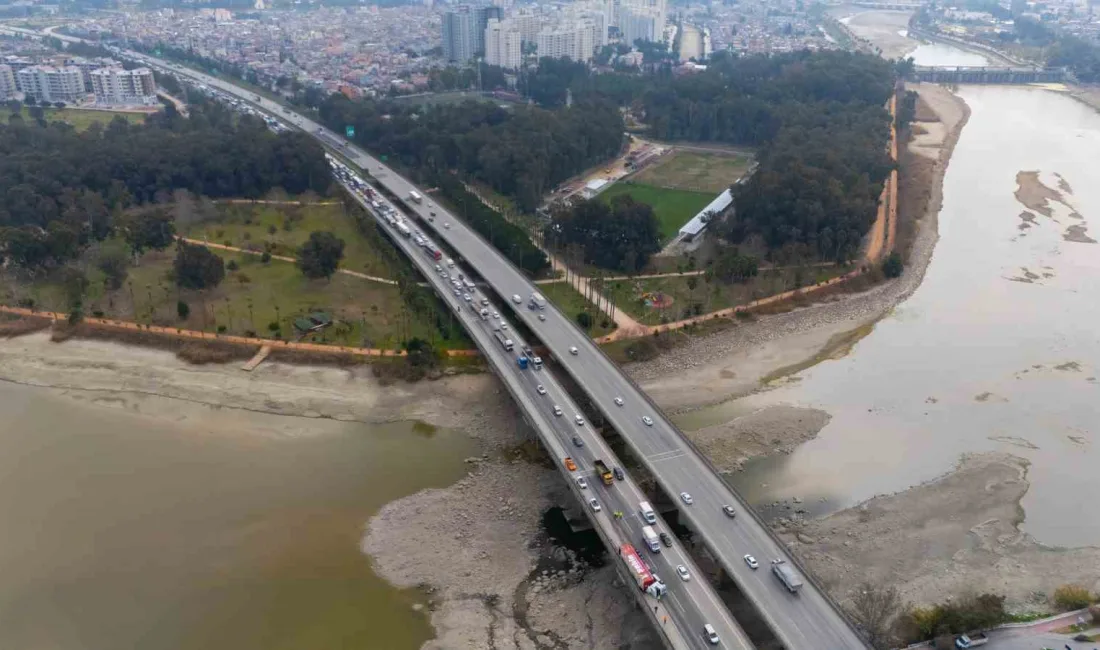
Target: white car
447	225
450	263
503	325
581	483
751	561
456	292
648	420
466	297
557	410
618	401
438	268
573	350
686	498
595	505
682	571
541	389
516	299
542	317
579	420
496	314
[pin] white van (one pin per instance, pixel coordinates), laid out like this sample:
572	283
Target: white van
647	512
710	635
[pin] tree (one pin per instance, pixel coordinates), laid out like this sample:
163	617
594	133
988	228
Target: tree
197	268
183	310
113	259
892	266
619	236
584	319
148	229
320	256
420	353
874	610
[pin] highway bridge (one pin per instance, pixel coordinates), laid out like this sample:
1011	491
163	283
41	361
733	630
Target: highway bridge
808	620
988	74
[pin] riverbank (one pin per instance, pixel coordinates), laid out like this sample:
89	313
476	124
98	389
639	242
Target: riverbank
957	534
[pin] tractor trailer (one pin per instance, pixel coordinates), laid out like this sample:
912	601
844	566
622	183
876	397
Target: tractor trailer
643	577
786	575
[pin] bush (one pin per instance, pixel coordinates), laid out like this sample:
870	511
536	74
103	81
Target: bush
893	266
221	329
183	310
1070	597
273	326
266	257
964	615
584	319
1095	611
232	265
271	230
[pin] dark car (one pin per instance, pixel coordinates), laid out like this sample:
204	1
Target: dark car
665	539
578	442
619	474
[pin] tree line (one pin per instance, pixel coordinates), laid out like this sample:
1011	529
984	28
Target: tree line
64	189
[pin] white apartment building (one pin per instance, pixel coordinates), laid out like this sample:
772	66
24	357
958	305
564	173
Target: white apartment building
636	22
52	84
88	65
118	87
503	44
576	41
7	83
529	23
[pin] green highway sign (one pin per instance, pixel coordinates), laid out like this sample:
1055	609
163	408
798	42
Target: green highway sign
349	131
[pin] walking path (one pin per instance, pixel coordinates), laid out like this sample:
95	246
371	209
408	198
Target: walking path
263	202
282	258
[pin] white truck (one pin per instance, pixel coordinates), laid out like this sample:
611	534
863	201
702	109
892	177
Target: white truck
652	539
538	301
404	229
971	640
415	197
786	575
647	512
505	343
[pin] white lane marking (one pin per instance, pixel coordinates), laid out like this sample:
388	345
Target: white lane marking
666	455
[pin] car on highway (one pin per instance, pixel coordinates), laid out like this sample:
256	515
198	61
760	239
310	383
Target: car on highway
503	325
595	505
445	275
666	540
579	420
686	498
710	635
682	571
496	314
450	263
438	268
619	474
577	442
730	512
516	299
446	224
456	292
557	410
751	561
542	317
648	420
573	350
569	464
581	483
541	389
466	297
618	401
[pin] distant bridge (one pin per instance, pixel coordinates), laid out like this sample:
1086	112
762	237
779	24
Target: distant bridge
988	75
894	6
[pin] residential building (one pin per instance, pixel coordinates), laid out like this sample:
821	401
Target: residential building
636	22
529	24
7	83
52	84
576	41
483	15
464	31
118	87
503	44
88	65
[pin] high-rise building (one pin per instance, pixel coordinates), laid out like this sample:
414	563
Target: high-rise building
88	65
529	24
503	44
464	31
636	22
49	84
576	41
7	83
115	87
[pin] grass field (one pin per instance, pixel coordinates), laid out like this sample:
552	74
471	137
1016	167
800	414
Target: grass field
81	119
629	294
286	228
673	208
696	171
571	303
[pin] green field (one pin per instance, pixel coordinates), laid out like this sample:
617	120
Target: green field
697	171
673	208
283	229
81	119
571	302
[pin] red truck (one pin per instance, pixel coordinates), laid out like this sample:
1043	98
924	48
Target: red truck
640	570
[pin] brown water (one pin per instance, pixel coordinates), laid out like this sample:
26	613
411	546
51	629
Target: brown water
996	350
119	530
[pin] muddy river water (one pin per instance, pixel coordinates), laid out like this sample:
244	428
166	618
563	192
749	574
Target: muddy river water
208	530
998	349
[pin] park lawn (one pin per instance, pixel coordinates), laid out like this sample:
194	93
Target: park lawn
367	314
250	226
627	294
81	119
697	171
673	208
571	302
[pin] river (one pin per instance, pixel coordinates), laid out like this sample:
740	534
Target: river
996	350
202	528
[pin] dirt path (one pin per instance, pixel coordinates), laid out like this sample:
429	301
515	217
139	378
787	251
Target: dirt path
282	258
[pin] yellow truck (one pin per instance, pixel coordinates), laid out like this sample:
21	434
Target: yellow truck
604	473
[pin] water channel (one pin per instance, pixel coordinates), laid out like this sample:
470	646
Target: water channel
218	531
996	350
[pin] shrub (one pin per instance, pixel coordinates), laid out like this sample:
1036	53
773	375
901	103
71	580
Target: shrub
232	265
221	329
1070	597
584	319
243	278
183	310
273	326
271	230
266	257
893	266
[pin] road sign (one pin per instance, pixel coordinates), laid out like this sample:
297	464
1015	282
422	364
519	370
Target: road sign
384	157
349	131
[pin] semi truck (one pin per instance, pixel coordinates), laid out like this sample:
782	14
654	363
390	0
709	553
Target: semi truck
971	640
604	472
786	575
652	539
643	577
415	197
505	343
404	229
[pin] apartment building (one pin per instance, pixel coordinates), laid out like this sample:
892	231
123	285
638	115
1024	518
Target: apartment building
464	31
503	44
7	83
576	41
47	83
119	87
